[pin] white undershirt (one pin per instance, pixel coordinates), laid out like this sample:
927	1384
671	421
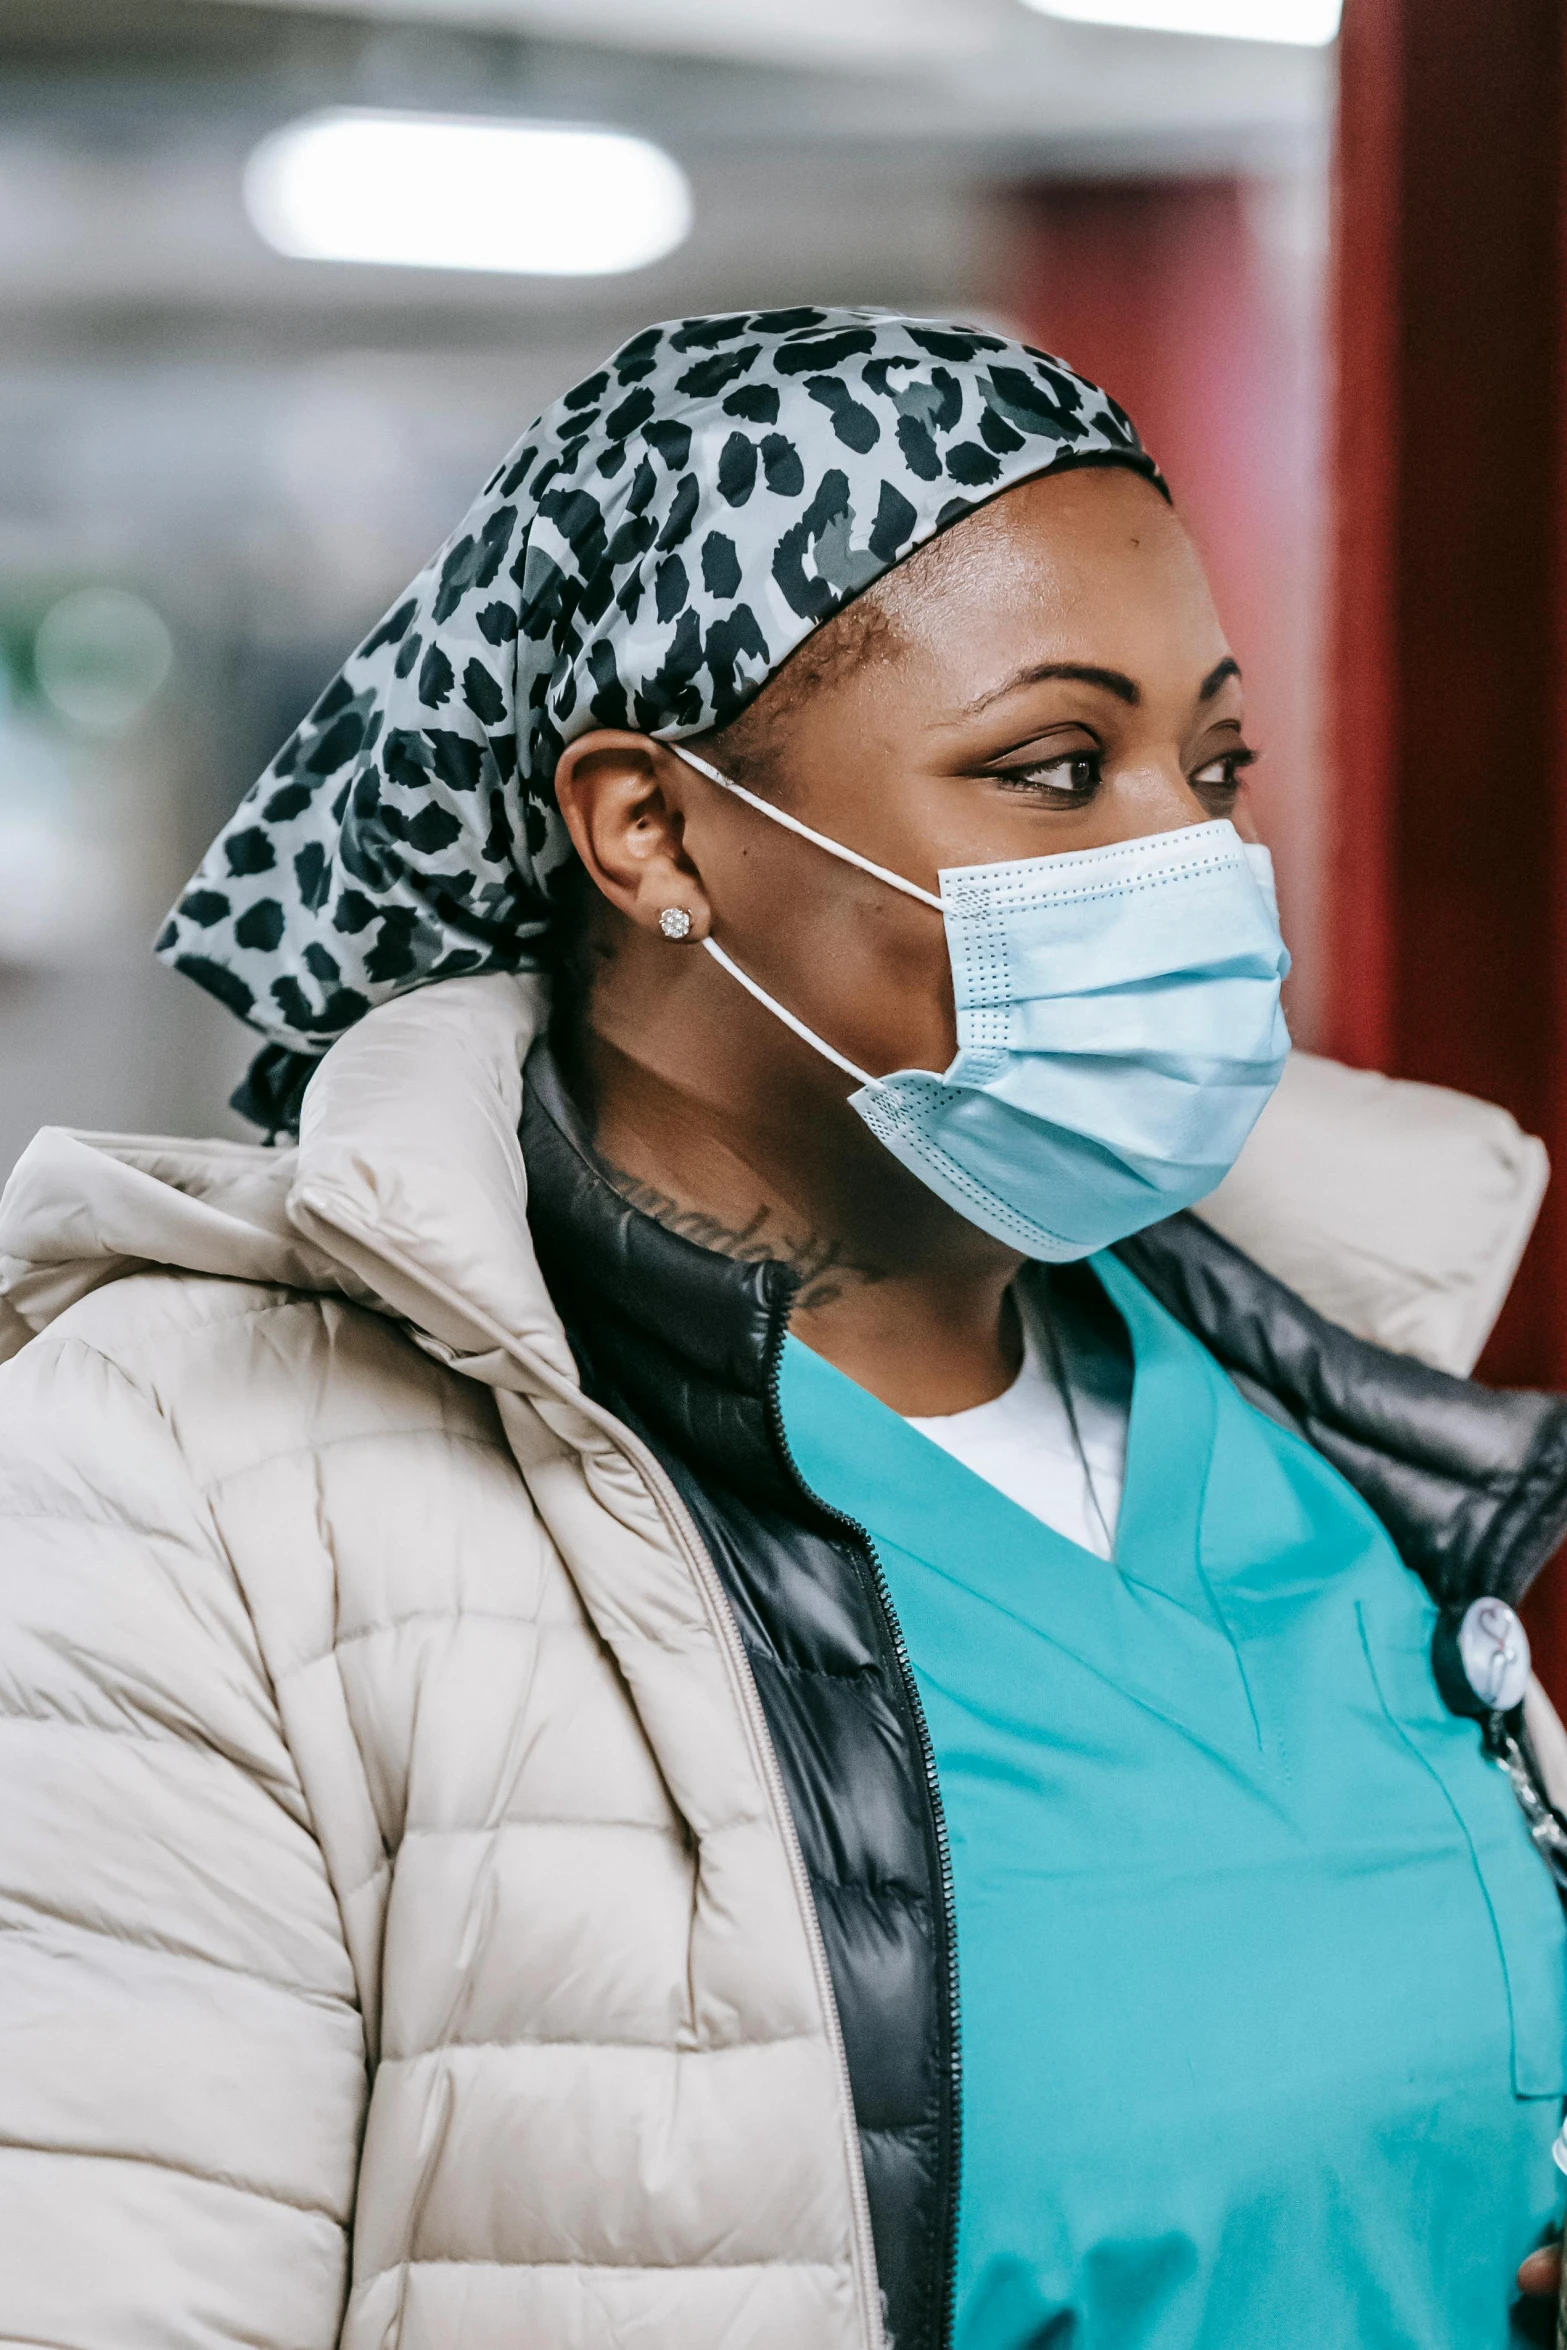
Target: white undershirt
1022	1442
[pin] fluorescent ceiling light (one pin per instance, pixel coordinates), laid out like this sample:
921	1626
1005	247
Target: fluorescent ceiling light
432	191
1309	24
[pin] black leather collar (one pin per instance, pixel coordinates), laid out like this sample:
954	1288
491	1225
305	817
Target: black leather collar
695	1334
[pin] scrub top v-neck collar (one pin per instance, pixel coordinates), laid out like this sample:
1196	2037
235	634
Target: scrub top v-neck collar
903	1487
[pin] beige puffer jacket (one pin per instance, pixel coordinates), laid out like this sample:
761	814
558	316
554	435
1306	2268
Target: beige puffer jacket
405	1941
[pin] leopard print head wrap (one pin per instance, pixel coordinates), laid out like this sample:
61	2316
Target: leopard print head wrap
653	550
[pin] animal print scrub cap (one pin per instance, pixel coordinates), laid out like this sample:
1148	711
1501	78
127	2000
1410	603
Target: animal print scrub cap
652	551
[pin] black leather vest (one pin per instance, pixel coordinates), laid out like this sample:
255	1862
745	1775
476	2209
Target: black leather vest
683	1346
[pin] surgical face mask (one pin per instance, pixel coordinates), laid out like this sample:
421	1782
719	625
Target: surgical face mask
1119	1032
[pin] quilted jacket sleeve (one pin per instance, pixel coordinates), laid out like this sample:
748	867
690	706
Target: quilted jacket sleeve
182	2075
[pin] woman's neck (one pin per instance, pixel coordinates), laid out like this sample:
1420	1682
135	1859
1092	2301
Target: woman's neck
761	1162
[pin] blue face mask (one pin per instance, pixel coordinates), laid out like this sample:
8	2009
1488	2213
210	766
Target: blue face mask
1119	1032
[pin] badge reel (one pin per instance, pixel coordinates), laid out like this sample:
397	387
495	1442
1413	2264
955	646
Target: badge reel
1481	1663
1482	1660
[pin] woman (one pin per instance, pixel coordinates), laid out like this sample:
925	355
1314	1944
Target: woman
726	1725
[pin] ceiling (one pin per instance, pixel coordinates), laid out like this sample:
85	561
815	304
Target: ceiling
845	149
1058	95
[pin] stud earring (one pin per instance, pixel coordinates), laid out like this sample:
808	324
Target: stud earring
675	922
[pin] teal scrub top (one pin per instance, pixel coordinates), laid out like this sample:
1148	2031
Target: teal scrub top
1263	1985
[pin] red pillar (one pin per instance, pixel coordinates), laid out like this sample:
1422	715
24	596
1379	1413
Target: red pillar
1448	768
1448	863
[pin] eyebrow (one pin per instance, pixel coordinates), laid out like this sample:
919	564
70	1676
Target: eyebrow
1110	681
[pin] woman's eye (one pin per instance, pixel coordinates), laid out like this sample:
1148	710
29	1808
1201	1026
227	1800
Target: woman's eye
1218	780
1066	781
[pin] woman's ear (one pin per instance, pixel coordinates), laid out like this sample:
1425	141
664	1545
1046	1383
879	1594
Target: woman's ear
620	799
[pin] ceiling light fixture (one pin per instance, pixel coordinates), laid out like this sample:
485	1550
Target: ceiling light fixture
1306	24
431	191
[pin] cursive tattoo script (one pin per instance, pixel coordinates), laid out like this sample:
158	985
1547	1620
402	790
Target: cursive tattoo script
824	1268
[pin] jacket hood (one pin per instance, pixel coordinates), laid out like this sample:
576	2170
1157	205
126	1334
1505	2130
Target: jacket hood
1399	1211
405	1191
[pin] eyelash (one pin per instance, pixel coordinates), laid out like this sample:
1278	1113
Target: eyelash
1031	777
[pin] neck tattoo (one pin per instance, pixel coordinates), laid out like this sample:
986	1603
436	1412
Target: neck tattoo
823	1267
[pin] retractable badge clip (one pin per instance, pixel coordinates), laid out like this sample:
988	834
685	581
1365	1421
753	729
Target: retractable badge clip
1482	1660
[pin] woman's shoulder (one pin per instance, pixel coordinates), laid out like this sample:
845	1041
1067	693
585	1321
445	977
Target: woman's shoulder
236	1372
1398	1210
147	1320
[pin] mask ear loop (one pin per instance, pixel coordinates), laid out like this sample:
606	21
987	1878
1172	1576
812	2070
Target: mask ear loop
834	848
780	1012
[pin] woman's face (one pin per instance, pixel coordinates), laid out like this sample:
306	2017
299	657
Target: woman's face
1050	675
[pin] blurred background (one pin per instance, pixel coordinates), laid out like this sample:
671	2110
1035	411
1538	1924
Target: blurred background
250	376
220	461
